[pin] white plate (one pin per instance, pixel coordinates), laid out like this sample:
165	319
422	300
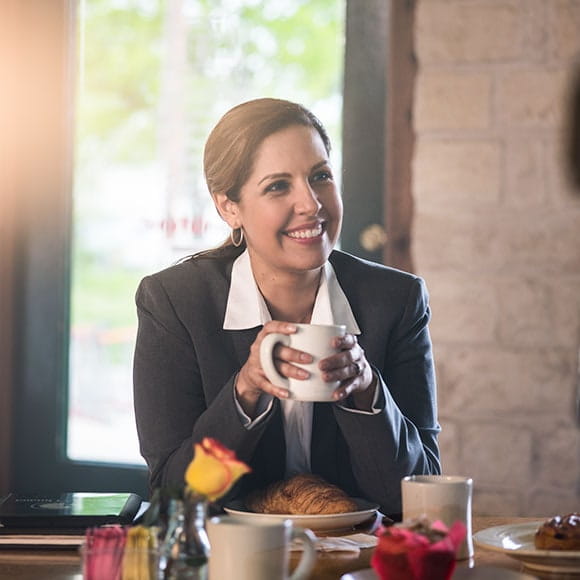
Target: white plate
517	541
316	523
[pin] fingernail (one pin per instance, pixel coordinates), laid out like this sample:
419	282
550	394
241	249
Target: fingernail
304	357
291	327
303	374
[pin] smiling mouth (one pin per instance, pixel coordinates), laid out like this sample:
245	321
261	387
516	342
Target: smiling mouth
306	233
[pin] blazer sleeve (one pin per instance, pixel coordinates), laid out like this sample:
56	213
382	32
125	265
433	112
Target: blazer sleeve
173	407
402	439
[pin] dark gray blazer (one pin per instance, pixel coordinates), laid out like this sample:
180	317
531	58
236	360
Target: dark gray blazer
185	364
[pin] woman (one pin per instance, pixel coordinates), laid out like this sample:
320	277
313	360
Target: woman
201	322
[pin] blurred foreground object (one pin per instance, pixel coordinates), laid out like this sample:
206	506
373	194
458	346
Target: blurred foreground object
213	470
417	550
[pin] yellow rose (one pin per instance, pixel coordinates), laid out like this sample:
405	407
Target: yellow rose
213	469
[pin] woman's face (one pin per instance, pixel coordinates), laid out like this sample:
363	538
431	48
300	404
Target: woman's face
289	207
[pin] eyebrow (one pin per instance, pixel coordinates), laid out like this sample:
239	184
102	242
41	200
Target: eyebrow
282	175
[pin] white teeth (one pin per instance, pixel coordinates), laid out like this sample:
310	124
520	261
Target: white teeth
303	234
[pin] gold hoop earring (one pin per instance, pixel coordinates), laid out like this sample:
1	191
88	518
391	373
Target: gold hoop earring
233	238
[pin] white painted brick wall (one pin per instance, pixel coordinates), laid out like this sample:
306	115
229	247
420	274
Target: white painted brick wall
496	234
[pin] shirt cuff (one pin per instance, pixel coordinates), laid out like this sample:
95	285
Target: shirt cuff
263	407
377	405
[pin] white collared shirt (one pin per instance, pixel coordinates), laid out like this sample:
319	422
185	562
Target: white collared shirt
245	309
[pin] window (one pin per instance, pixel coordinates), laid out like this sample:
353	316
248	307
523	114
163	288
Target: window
155	77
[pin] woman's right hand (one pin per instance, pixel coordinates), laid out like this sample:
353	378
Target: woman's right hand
252	381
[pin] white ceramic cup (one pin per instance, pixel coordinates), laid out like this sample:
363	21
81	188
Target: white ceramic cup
257	550
315	340
440	497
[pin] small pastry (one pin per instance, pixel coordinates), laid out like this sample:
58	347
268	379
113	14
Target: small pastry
559	533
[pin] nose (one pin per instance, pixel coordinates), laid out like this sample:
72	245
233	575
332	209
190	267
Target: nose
307	202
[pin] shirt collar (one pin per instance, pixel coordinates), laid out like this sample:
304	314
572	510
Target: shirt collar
246	307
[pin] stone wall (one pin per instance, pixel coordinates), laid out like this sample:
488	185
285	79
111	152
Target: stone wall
497	237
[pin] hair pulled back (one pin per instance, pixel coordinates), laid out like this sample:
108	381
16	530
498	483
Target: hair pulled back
231	147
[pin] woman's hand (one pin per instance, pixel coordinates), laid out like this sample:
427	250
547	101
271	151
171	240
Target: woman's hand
351	368
252	381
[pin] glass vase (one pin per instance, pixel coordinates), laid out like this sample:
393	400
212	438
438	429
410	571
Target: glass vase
184	551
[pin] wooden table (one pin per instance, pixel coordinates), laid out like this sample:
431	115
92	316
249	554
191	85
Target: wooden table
65	565
330	566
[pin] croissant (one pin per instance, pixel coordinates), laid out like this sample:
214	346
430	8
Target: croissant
303	494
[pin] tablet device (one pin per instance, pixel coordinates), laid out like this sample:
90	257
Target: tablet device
72	510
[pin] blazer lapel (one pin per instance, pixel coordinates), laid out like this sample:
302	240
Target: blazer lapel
242	340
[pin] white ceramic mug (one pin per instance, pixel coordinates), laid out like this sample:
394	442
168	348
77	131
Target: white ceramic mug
315	339
440	497
257	550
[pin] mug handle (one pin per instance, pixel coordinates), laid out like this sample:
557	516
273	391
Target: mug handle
267	361
308	558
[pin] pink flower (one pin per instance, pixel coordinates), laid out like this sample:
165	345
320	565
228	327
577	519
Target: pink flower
404	554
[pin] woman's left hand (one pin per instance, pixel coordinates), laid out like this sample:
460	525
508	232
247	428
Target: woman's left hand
351	368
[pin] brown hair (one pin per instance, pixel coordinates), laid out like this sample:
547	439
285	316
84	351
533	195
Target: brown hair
231	146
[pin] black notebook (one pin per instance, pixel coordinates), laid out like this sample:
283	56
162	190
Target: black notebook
72	511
